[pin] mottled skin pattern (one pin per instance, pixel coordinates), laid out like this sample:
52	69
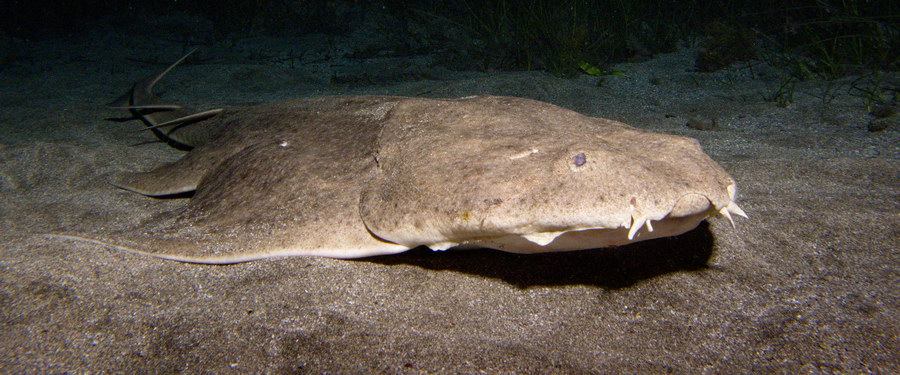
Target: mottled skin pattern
359	176
458	170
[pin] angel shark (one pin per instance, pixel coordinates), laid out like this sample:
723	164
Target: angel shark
358	176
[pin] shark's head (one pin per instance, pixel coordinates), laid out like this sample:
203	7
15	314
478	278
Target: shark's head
525	176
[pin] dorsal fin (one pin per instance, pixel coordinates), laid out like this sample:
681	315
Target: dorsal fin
146	106
145	87
188	119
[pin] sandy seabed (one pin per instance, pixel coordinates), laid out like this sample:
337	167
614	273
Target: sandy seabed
808	283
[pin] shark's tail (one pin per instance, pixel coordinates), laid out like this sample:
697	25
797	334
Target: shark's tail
168	121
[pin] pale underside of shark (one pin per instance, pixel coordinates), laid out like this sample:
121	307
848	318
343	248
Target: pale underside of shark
358	176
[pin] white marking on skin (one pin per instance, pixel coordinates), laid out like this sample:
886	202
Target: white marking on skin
283	144
732	191
542	238
524	154
441	246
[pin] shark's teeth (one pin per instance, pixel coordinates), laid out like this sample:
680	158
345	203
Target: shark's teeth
542	238
636	223
649	227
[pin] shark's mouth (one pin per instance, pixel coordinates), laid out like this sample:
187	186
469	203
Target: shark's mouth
633	225
579	239
638	229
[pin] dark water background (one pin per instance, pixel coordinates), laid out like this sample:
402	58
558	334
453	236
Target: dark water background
830	38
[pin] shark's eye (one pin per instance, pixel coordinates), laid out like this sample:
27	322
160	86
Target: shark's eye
579	159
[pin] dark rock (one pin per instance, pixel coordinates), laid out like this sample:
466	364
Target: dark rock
884	111
702	123
881	124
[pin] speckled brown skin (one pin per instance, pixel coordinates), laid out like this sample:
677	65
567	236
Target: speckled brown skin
487	167
281	179
350	177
